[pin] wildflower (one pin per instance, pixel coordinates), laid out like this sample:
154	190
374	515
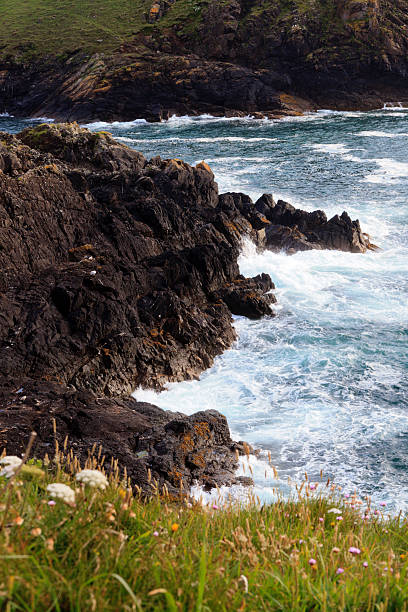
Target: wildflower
174	527
334	511
61	491
383	504
402	556
339	518
301	541
312	486
365	564
339	570
321	519
18	521
335	549
36	532
354	551
49	544
244	581
156	534
122	493
312	561
215	507
332	523
11	463
93	478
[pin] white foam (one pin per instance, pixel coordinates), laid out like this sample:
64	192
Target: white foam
377	134
190	140
389	172
5	115
40	119
118	125
337	149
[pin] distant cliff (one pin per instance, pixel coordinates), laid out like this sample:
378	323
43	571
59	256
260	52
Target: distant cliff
121	59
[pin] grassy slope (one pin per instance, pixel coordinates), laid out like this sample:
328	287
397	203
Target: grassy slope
42	27
114	552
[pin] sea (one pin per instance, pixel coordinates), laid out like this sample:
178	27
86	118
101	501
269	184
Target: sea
321	390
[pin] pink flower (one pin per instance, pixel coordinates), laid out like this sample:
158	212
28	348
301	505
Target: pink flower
339	518
339	570
312	486
312	561
215	507
383	504
156	534
52	502
321	520
365	564
301	541
354	551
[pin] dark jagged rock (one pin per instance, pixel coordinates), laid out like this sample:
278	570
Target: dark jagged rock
176	449
280	226
116	272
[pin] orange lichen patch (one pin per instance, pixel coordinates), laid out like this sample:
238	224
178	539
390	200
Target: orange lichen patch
84	247
265	220
232	227
106	351
52	168
155	332
204	166
187	443
154	12
202	429
198	460
176	476
250	296
103	89
154	343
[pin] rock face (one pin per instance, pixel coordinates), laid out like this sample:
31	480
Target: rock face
156	447
118	271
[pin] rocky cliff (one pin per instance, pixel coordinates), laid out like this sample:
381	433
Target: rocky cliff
117	271
123	59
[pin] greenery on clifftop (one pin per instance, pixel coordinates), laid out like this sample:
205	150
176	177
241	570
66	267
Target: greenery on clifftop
86	548
43	28
47	27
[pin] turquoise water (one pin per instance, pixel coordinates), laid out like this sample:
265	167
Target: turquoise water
324	385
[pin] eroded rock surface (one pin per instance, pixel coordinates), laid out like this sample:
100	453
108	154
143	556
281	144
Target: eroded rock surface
116	272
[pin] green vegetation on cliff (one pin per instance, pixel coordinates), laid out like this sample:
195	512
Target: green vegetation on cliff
317	30
46	27
79	547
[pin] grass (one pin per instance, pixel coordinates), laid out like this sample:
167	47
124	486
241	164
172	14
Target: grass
114	550
31	28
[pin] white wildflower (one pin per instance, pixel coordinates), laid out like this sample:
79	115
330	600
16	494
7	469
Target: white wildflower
244	581
61	491
11	463
334	511
93	478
